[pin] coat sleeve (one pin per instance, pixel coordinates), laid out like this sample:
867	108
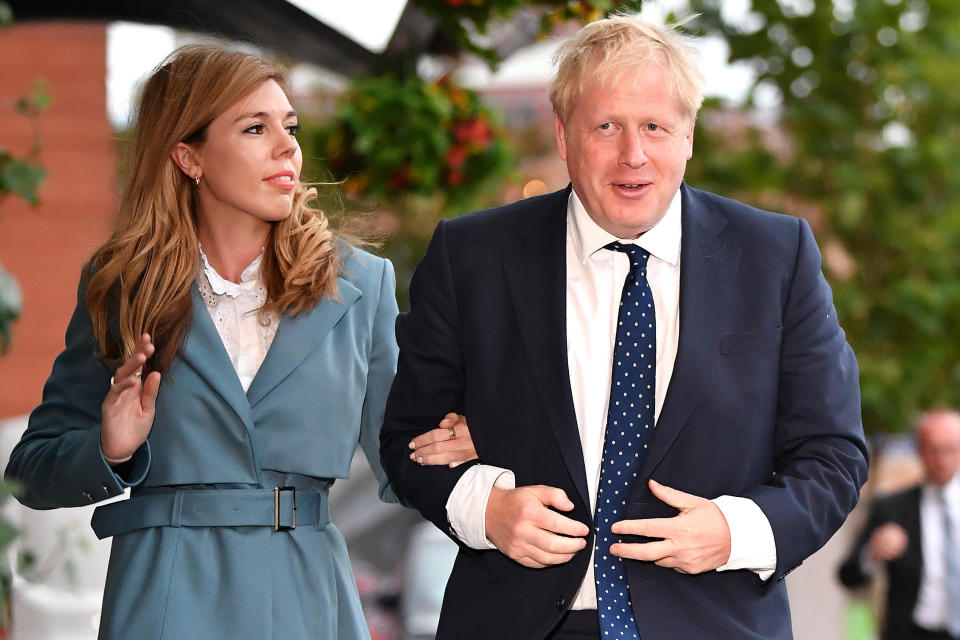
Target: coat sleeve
58	461
429	383
382	367
820	455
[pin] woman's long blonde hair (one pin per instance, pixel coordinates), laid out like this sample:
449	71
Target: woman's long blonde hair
139	280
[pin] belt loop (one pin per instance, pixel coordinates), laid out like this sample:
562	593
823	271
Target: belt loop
177	508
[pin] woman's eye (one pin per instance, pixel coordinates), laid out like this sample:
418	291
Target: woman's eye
257	128
292	129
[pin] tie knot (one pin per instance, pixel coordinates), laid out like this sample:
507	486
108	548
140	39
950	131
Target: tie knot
638	255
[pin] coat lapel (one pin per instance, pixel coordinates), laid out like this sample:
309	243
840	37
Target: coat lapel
203	350
708	265
297	336
536	277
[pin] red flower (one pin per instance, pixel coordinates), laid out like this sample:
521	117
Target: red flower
456	157
475	131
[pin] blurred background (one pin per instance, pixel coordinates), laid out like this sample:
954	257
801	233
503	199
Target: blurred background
843	112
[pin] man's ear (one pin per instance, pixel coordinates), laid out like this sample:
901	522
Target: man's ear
561	136
187	158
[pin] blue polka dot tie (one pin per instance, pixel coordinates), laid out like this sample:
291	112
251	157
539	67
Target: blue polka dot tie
629	426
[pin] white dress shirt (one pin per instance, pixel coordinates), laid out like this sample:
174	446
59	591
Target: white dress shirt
933	605
233	308
595	280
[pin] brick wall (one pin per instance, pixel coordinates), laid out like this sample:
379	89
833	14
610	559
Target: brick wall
45	247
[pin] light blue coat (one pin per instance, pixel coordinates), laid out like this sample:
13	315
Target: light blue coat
320	391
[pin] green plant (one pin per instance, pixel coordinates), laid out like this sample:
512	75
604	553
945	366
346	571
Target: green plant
396	136
866	147
462	21
20	177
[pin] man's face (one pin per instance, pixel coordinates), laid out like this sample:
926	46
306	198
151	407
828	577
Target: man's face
938	443
626	148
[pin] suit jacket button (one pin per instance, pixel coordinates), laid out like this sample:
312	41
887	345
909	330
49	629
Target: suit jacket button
88	496
561	603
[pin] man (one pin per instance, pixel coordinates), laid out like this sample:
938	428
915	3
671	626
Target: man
913	536
638	418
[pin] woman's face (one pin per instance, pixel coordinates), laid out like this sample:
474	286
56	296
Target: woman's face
250	160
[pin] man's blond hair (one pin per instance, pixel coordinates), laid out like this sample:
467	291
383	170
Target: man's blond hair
604	51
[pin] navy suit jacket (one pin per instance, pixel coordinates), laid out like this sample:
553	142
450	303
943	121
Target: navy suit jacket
763	403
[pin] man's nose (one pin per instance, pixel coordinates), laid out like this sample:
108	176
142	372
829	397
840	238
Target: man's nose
632	149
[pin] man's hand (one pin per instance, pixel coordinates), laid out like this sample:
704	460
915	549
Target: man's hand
888	542
694	541
519	522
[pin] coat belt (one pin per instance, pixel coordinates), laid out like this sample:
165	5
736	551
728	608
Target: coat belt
282	508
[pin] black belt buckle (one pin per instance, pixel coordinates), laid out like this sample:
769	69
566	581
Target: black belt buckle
276	509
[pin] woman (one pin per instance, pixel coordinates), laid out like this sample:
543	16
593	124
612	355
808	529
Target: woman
251	345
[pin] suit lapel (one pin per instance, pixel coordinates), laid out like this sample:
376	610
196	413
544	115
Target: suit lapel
203	350
297	336
536	276
708	265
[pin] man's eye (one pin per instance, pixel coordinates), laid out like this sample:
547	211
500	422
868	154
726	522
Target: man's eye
606	126
257	128
652	126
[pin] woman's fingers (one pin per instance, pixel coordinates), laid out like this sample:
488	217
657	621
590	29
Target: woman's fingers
128	374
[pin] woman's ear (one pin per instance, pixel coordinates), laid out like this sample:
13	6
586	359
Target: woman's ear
186	157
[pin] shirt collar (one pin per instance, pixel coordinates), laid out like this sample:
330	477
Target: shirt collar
221	286
950	491
662	241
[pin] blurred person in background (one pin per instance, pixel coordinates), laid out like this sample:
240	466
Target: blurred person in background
913	536
655	379
228	354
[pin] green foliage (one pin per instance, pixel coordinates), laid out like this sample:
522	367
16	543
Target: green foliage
869	152
21	177
396	136
461	21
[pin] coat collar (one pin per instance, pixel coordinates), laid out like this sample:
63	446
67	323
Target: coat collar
297	336
536	275
708	266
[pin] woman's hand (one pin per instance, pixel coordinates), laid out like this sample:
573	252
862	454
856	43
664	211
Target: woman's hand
127	410
449	444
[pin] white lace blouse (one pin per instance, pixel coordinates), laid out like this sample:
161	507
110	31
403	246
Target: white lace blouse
233	307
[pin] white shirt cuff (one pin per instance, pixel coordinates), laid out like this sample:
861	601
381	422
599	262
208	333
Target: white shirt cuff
751	539
467	504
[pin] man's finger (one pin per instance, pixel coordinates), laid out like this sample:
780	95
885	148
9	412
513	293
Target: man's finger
674	497
550	542
560	524
649	527
552	497
648	551
527	561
